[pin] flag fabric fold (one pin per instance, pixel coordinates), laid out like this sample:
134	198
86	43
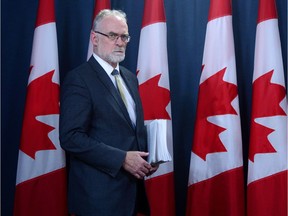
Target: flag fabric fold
154	87
216	181
267	163
41	171
98	6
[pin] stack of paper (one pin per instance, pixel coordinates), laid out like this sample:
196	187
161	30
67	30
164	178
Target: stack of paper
157	142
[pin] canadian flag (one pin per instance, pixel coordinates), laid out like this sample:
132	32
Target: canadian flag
99	5
215	185
41	172
153	76
267	164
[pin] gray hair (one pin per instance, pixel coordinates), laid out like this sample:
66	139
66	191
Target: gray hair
105	13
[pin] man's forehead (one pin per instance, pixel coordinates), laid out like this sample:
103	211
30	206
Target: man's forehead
111	22
113	19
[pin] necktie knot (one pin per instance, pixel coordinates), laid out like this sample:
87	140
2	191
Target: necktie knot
115	72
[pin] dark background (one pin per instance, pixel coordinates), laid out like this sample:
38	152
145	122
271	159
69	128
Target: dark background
186	24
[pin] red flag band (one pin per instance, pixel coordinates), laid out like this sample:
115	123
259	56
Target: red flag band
267	164
153	76
216	184
41	172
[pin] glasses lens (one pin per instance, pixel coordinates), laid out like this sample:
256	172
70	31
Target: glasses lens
113	36
125	38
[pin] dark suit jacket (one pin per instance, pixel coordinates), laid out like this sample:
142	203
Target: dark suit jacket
96	131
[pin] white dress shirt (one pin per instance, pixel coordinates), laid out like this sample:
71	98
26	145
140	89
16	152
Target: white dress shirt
130	102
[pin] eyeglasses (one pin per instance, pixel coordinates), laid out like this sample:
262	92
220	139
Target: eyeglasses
114	37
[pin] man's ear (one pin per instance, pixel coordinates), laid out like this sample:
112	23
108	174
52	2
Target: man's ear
94	38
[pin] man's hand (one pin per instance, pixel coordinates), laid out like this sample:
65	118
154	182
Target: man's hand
135	164
153	169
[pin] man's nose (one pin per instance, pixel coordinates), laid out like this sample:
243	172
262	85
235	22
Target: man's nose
119	41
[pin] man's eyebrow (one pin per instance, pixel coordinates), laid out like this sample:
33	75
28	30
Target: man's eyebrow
114	33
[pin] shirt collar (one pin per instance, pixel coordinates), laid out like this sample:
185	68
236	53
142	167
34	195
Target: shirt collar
105	65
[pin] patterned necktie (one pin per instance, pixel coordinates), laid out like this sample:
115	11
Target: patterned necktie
119	85
127	99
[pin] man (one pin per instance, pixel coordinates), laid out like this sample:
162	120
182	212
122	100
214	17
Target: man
104	133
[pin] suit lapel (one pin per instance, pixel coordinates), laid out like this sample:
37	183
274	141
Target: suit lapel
133	91
103	77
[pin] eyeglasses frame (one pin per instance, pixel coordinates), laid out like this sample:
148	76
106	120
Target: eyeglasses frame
124	38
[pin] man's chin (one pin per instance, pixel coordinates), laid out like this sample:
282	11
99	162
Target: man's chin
118	59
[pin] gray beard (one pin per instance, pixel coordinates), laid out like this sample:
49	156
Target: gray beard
115	58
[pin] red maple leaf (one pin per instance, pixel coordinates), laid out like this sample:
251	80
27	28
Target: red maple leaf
154	99
215	97
42	99
266	102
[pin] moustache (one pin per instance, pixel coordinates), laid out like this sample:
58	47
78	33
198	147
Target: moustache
119	49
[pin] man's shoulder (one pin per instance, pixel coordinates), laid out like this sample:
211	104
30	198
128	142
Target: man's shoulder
83	67
126	71
79	73
79	66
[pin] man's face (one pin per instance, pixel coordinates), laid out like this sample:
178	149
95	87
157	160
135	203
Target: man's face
111	51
